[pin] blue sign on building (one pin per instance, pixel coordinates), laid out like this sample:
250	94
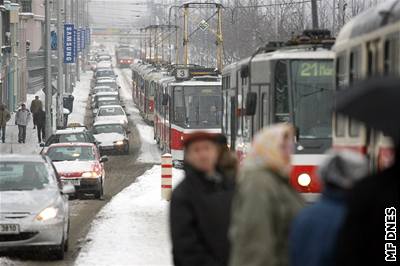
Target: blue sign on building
76	53
69	50
83	39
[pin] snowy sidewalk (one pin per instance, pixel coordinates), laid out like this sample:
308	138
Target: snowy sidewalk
133	228
31	145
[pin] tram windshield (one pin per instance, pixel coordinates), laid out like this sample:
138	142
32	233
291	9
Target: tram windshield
198	107
312	94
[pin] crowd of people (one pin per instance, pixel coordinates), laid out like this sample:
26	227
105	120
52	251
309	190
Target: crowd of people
222	215
23	117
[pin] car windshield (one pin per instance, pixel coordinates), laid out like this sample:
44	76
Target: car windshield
71	153
312	86
126	52
72	137
105	73
107	102
23	176
109	111
105	89
198	107
111	128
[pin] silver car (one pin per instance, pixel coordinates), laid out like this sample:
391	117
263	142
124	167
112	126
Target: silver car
34	211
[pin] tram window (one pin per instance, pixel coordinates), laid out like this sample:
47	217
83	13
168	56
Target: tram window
179	110
355	65
340	125
354	129
341	72
264	111
281	97
391	56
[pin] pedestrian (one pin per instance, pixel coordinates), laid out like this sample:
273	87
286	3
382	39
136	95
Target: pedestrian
314	232
36	105
200	206
22	118
40	121
265	204
4	118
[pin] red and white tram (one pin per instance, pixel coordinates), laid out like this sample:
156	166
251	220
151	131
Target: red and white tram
188	102
367	46
284	83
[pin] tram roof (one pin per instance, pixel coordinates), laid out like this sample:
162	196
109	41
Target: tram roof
295	53
370	20
197	83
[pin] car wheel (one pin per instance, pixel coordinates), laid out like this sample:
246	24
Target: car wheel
58	252
98	194
126	150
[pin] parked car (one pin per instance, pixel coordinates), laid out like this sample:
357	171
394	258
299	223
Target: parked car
34	209
107	82
68	135
102	101
110	94
81	165
111	137
112	113
98	89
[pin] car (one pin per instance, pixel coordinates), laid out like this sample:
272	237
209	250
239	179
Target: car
75	134
81	165
105	73
102	101
111	136
110	94
34	208
107	82
101	89
103	57
112	113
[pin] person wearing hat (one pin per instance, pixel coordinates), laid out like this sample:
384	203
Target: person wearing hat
315	230
22	118
200	206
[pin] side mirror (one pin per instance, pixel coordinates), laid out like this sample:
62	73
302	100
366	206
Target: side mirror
128	114
42	145
68	189
128	132
165	99
251	103
123	106
103	159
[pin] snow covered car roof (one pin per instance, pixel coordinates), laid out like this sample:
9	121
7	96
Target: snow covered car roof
72	144
106	122
71	130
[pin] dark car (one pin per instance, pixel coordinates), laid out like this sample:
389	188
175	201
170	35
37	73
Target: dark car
70	135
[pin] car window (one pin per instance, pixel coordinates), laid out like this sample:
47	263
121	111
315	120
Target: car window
112	128
53	139
110	111
71	153
73	137
23	176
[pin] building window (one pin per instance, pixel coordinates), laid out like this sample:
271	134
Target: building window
26	6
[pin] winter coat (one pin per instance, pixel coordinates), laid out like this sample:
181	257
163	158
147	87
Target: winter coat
314	232
22	117
199	220
5	116
362	238
40	118
265	203
36	105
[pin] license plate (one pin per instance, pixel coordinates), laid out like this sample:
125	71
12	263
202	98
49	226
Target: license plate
74	182
9	229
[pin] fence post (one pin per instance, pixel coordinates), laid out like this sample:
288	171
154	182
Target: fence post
166	176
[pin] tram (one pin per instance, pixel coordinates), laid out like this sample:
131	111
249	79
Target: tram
123	56
284	82
367	46
188	100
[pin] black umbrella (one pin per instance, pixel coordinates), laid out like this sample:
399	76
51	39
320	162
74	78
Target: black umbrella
375	102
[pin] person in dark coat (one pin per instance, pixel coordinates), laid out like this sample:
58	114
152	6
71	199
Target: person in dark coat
36	105
5	116
313	236
200	207
370	205
40	121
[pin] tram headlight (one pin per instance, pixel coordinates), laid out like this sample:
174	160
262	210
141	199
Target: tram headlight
304	180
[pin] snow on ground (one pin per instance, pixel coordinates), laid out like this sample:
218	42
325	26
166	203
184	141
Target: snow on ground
80	94
133	228
149	152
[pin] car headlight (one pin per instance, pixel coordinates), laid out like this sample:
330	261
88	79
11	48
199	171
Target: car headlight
47	214
304	180
89	175
119	142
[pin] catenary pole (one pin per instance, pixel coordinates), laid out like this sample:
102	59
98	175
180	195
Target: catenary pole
48	86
